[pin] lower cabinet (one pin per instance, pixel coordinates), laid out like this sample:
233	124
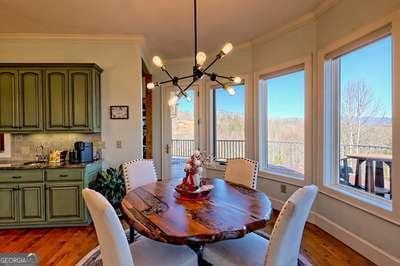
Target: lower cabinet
31	203
22	203
9	202
64	202
44	197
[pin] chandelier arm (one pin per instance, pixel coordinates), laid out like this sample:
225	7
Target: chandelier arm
188	86
186	77
169	75
225	77
165	82
212	63
181	91
220	83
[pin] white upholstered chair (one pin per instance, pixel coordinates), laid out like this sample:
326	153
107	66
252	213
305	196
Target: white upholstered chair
242	171
114	247
138	173
284	245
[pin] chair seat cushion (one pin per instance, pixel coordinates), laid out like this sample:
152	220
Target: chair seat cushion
247	251
148	252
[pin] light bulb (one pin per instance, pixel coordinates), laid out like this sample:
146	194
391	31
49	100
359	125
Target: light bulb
150	85
228	47
237	80
230	90
201	58
157	61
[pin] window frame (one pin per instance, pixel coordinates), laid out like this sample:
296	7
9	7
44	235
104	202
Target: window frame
210	87
261	128
327	133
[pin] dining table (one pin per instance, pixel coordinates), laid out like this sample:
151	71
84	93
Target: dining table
230	211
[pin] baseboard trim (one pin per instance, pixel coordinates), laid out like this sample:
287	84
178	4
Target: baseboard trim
362	246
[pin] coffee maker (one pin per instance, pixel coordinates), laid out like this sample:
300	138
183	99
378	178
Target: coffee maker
82	153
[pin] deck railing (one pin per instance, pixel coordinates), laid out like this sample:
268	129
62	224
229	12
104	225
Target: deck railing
291	152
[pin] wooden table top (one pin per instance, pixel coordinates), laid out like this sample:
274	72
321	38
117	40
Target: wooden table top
231	211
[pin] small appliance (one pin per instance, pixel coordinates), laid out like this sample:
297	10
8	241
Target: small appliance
84	151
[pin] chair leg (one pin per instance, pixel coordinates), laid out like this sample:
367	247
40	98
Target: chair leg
131	234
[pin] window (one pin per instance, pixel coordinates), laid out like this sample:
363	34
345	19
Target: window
228	123
358	115
283	121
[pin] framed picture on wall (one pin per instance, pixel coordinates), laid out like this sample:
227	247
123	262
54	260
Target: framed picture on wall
119	112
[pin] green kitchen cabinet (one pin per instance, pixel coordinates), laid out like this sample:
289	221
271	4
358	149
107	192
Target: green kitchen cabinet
64	202
57	104
9	204
45	197
21	100
50	97
31	203
9	99
30	100
80	92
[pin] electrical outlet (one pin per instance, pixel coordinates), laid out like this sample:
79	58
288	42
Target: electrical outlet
283	188
119	144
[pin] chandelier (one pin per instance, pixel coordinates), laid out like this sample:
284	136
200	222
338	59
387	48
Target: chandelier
199	70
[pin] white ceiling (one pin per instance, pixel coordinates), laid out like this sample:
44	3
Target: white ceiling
167	25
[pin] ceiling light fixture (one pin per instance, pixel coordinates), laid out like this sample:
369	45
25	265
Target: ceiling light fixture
198	71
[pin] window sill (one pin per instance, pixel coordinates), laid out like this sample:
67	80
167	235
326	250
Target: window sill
374	205
280	177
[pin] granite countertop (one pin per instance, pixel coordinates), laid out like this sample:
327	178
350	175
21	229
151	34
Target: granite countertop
19	165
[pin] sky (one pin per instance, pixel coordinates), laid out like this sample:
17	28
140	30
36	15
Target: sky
372	63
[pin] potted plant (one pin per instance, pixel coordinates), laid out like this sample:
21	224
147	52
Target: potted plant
110	183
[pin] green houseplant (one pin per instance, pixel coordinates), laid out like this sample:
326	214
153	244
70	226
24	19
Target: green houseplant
110	183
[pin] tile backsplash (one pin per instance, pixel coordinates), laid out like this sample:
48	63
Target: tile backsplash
24	147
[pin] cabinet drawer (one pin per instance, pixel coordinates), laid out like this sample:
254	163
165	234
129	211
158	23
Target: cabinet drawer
64	174
7	176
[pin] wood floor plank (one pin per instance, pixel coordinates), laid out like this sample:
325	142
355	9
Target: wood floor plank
67	245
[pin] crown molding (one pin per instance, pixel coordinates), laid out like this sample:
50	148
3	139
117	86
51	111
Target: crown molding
99	37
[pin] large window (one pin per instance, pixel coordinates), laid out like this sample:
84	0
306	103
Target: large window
282	118
228	124
358	109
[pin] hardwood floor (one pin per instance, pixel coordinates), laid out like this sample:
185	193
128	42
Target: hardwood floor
65	246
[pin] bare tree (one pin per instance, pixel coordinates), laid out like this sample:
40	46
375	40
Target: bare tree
358	105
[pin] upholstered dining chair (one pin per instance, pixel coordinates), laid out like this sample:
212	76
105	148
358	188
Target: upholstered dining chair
114	247
284	245
138	173
242	171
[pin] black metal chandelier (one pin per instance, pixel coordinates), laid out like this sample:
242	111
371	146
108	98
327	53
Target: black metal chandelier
199	71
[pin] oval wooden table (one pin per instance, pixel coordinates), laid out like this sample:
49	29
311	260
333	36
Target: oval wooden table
231	211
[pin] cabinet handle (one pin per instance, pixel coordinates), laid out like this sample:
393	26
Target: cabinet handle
17	177
63	175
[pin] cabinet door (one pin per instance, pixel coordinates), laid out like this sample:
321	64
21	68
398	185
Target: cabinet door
9	205
31	203
97	102
57	104
80	100
30	108
64	202
8	100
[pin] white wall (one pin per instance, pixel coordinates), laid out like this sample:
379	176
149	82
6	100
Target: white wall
121	80
369	234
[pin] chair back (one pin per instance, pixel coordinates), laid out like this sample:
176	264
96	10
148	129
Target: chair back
114	246
138	173
242	171
284	246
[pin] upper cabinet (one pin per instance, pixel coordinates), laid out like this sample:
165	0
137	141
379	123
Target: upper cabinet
50	97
